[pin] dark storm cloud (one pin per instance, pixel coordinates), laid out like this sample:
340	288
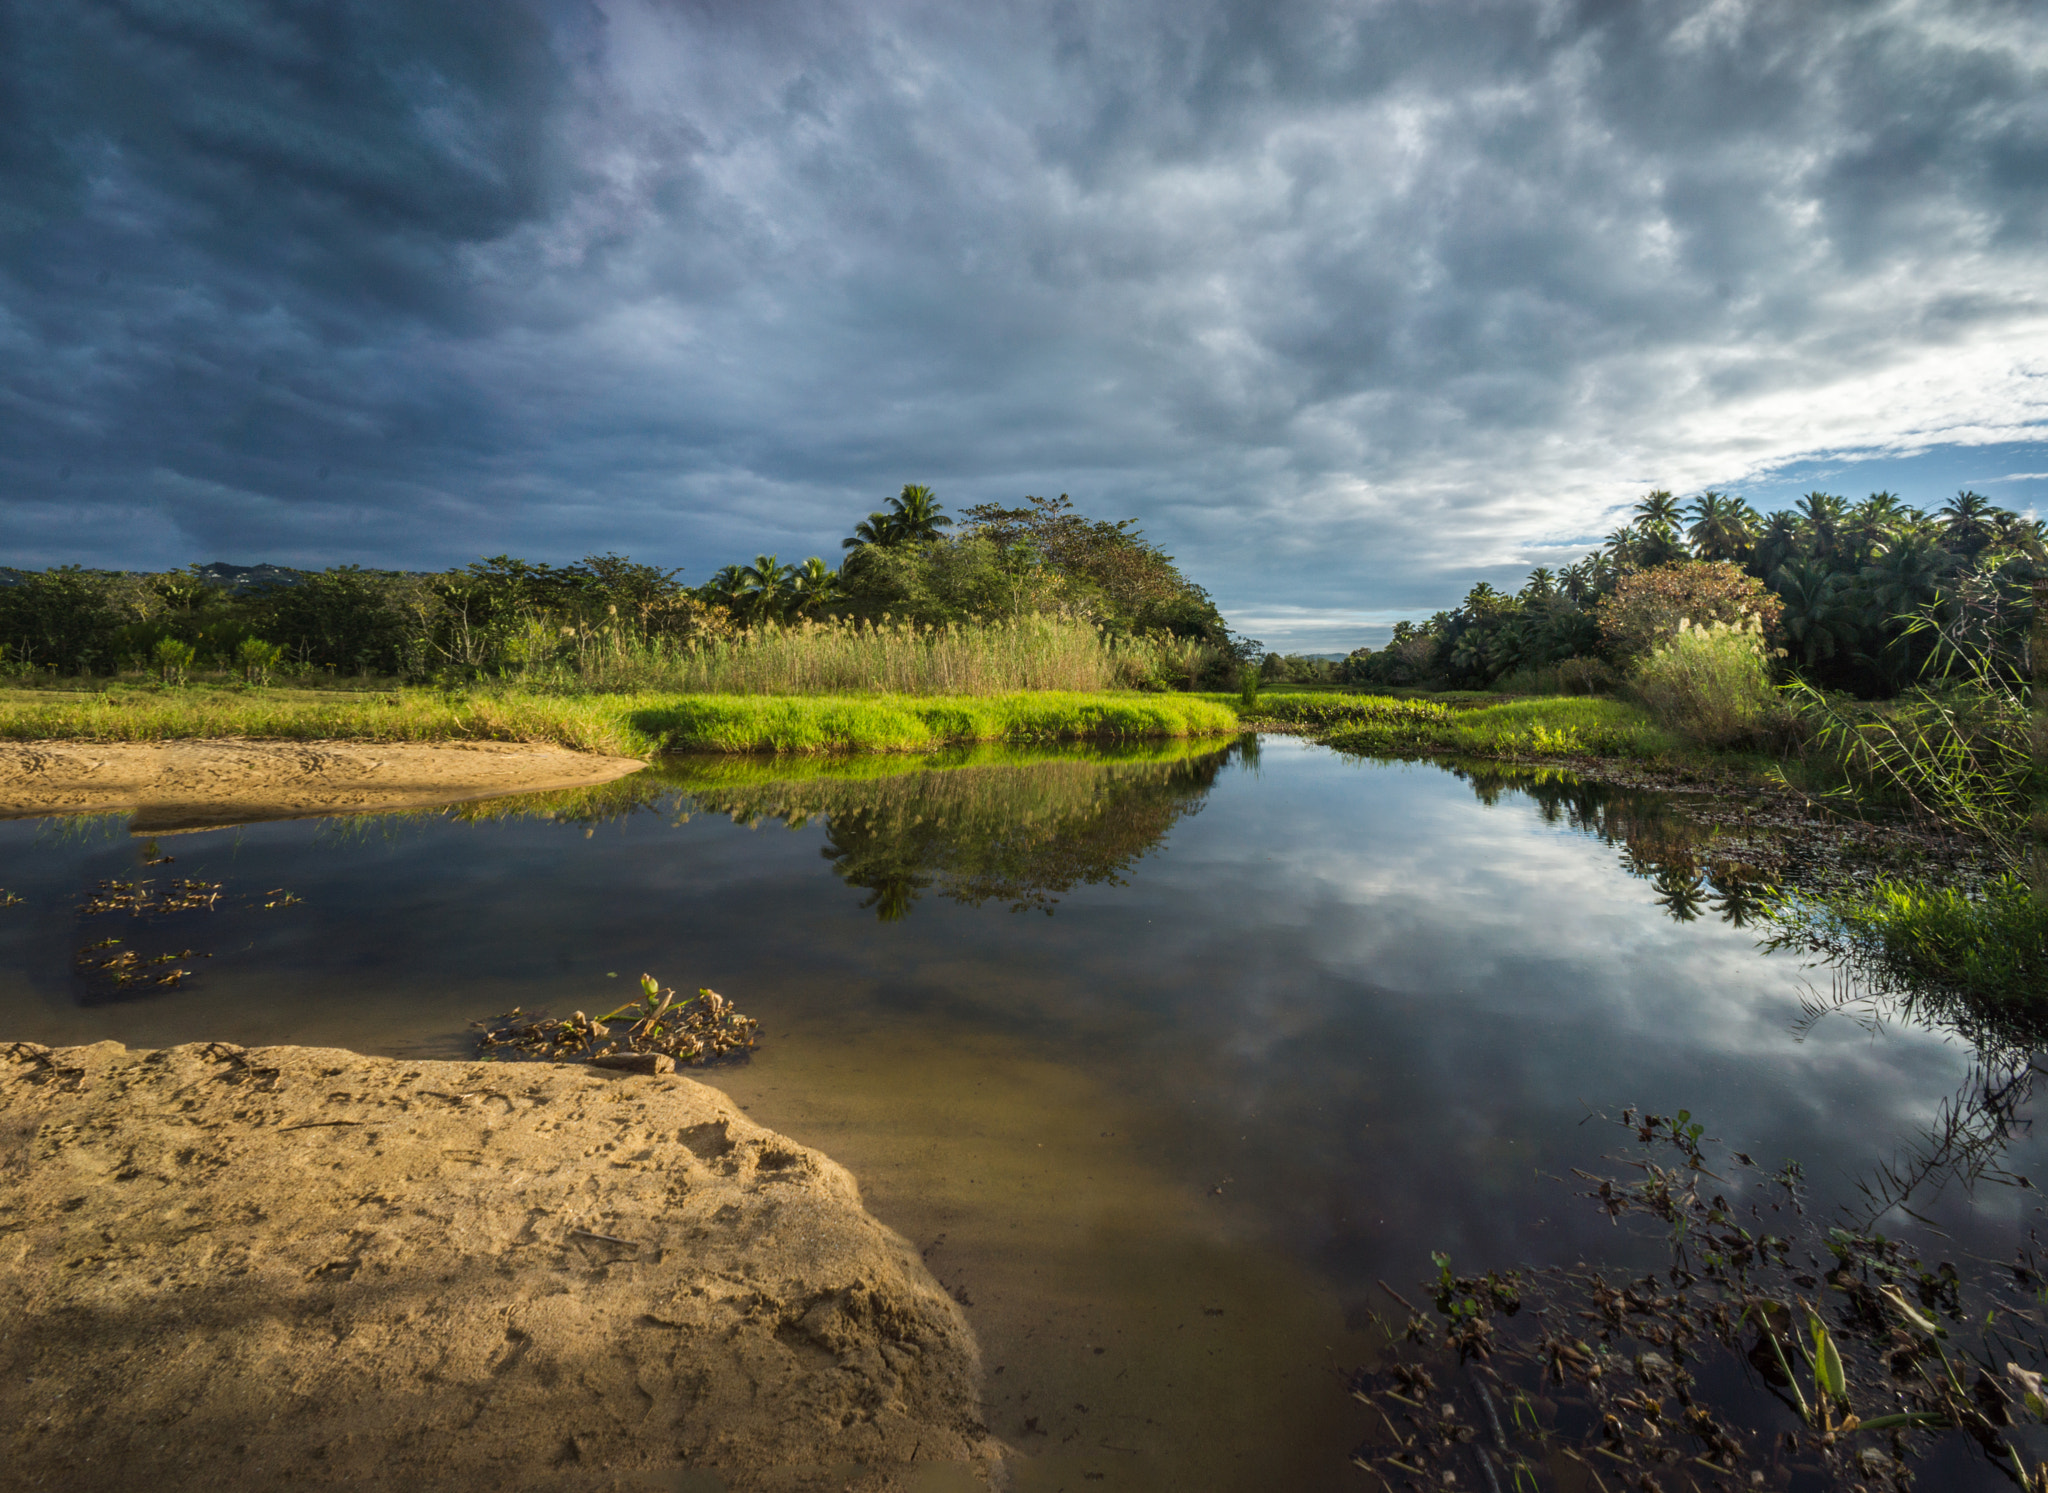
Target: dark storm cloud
1341	299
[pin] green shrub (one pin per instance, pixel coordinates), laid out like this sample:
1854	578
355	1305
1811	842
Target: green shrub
1710	683
258	660
173	659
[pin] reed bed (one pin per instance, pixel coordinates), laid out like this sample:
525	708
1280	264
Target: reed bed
850	657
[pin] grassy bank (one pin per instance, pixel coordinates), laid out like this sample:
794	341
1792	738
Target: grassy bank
633	725
1554	726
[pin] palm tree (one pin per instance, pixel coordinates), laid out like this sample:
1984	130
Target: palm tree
1720	527
1816	621
1542	585
1658	510
1905	578
1779	543
915	514
1967	522
764	586
813	584
1873	524
2012	532
874	530
1822	516
1620	546
1576	580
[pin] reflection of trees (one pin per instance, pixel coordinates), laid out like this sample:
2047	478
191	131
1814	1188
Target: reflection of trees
1966	1141
1025	834
1672	851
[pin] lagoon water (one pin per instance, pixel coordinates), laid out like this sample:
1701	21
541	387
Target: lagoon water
1164	1059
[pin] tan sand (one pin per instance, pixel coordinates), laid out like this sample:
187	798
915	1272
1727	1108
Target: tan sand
177	785
230	1269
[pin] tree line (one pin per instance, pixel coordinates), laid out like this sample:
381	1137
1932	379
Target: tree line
1845	590
907	562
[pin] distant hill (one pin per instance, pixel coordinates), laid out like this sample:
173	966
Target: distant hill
240	578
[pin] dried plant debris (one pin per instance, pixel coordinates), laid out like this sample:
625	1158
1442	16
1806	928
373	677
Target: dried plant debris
132	967
700	1029
7	898
1771	1352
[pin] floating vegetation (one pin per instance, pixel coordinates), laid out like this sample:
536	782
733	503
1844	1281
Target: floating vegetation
8	899
699	1029
131	967
140	898
1769	1352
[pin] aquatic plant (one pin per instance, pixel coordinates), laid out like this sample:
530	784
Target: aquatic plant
1666	1379
1986	945
697	1029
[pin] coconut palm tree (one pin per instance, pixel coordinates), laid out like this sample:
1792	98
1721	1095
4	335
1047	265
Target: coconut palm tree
873	531
1821	519
915	514
1721	527
1658	510
764	587
1968	522
1817	620
1779	541
812	585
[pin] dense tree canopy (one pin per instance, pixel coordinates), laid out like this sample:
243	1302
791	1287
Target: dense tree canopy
908	561
1838	585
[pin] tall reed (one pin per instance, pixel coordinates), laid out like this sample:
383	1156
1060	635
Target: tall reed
1034	652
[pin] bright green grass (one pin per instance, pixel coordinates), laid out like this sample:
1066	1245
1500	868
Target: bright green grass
917	723
1988	947
633	725
1559	726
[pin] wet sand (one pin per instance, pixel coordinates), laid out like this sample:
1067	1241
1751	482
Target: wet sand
178	785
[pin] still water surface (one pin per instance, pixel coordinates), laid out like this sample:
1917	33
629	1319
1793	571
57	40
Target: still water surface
1164	1059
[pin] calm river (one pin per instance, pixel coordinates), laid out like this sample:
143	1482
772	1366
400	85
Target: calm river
1163	1059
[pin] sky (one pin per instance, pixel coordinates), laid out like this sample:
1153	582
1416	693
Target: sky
1349	304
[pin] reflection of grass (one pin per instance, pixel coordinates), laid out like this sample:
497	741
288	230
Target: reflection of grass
635	725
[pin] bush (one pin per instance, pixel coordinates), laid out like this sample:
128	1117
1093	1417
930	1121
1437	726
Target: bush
1710	683
1648	607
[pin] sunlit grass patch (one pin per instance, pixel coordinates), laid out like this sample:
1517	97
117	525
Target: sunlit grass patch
1560	726
633	725
812	724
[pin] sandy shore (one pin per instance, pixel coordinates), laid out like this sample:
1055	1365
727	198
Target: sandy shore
228	1269
174	785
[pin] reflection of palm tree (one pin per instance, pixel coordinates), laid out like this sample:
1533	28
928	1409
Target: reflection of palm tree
1737	900
1681	891
892	899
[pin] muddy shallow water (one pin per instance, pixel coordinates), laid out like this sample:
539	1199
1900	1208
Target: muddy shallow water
1163	1059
